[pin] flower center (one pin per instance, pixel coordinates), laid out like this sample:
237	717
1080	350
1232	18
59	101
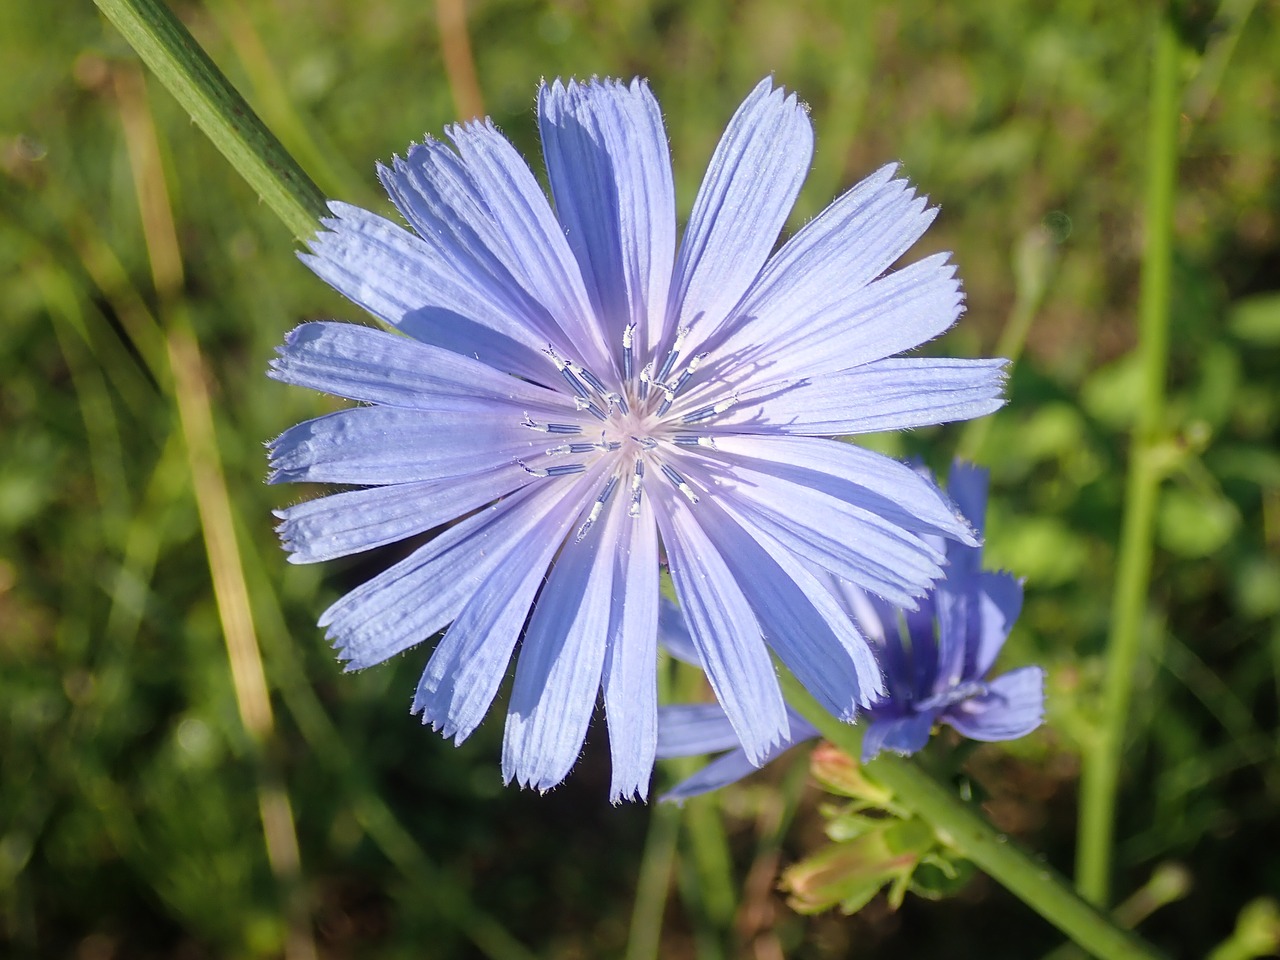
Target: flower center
636	422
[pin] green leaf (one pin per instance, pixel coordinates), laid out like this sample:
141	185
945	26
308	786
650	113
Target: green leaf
852	872
1256	320
941	875
1195	524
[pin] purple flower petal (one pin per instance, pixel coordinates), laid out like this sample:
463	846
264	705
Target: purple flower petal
674	635
967	486
631	659
537	253
345	523
895	394
720	772
837	253
421	594
703	728
802	622
369	365
898	312
693	729
856	475
561	659
403	280
933	657
375	445
903	735
610	173
464	672
750	186
724	629
1000	603
841	537
1012	707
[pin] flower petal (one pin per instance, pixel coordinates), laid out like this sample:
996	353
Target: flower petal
830	260
631	658
418	596
959	601
862	477
483	209
356	520
673	634
875	617
372	366
610	172
376	445
884	318
1000	603
853	543
957	615
967	486
724	628
734	765
745	197
896	661
924	659
1012	707
894	394
464	672
694	729
802	621
720	772
903	735
404	281
561	658
536	251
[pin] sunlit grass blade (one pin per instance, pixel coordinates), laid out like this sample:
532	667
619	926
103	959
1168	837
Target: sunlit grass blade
459	62
213	504
280	112
426	882
166	46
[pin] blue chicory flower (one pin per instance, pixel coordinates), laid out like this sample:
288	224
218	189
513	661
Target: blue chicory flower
578	396
935	659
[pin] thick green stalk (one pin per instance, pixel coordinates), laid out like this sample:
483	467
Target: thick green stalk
167	47
965	832
1101	764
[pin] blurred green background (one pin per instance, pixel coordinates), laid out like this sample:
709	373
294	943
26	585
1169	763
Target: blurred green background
144	287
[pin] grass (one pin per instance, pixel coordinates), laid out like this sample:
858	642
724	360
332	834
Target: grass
133	794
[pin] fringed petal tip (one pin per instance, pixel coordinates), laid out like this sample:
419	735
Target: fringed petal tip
348	654
968	535
342	212
280	473
542	786
632	793
276	473
295	550
966	531
441	725
574	87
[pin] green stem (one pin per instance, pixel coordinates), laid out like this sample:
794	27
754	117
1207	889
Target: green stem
965	832
167	47
645	939
705	868
1100	773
